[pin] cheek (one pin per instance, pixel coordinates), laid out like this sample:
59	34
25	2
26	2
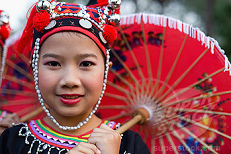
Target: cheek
94	82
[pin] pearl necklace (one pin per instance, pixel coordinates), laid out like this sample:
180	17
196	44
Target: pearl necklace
35	60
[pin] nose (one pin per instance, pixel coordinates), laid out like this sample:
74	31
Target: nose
70	78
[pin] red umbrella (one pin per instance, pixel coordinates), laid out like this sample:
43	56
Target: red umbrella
17	89
176	73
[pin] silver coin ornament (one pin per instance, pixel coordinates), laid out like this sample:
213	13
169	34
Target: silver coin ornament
85	23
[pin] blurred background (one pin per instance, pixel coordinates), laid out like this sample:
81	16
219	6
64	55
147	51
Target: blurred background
213	17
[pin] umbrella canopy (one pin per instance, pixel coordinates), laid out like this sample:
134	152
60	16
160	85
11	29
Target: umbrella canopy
176	73
18	94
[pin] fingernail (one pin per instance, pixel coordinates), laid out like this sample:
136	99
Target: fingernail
98	151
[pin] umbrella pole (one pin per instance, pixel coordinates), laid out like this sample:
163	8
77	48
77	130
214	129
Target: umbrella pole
140	116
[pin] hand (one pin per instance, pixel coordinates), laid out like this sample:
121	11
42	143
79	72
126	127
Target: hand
7	121
84	148
105	139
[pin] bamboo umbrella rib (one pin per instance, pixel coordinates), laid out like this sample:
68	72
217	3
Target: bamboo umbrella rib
134	58
205	127
16	80
17	102
162	145
195	137
126	68
172	143
192	85
114	107
160	91
19	69
153	144
182	141
183	75
155	87
119	116
121	89
124	81
25	59
147	55
27	110
203	111
18	92
195	98
22	56
116	96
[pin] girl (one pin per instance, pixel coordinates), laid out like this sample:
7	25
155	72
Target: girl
70	62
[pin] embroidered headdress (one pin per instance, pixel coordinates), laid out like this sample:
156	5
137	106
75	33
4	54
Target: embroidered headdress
47	17
4	34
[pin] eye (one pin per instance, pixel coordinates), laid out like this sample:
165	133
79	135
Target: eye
86	64
53	63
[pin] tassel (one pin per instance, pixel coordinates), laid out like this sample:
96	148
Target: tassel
4	33
41	20
110	33
27	35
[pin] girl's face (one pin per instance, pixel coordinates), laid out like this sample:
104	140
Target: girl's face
71	73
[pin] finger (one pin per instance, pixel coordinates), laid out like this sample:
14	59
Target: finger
16	118
104	126
85	148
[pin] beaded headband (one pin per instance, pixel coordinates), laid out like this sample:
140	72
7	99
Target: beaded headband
48	17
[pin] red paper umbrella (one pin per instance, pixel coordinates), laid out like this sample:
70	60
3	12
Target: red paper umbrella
179	76
18	94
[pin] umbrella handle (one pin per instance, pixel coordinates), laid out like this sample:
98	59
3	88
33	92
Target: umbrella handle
32	114
140	116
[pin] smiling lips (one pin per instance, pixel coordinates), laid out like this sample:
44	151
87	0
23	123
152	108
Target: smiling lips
70	99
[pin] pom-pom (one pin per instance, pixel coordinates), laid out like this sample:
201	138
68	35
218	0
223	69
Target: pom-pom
41	20
110	33
4	33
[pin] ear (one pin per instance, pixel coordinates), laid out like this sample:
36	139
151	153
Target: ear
110	65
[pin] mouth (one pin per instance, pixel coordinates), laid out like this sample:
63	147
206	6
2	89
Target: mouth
70	99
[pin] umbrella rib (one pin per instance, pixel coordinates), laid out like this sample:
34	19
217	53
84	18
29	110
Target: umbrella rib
127	69
202	111
172	143
18	92
119	116
124	81
147	54
134	59
192	85
18	81
172	68
22	56
182	141
195	137
205	127
162	145
25	110
183	75
196	98
121	89
160	65
113	107
153	144
17	102
116	96
19	69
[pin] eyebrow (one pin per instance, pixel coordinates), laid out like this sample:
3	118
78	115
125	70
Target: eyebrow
87	55
51	55
79	55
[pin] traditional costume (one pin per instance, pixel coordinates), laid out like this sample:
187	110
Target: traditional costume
47	17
